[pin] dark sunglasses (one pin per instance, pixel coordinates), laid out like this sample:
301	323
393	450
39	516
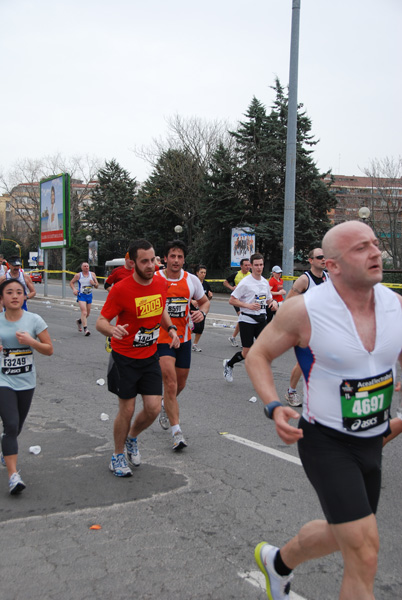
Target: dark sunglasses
319	256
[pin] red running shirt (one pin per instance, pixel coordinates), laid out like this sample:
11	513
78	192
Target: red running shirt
141	307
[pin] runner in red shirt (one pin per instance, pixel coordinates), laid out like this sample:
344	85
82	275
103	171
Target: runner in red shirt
276	285
120	272
138	302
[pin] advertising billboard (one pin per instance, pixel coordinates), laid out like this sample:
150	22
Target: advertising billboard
55	211
242	245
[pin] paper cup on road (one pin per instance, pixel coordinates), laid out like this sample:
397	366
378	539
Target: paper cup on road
35	449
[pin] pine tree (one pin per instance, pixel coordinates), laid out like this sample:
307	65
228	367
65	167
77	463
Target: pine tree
258	175
110	215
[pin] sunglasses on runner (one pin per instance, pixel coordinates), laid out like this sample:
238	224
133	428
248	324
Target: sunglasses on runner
319	256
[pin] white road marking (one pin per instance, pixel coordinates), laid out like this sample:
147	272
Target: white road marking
257	579
261	448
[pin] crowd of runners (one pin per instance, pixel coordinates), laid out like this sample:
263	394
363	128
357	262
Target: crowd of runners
347	336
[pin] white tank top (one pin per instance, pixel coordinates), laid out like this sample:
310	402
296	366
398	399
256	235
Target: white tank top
20	278
85	283
346	387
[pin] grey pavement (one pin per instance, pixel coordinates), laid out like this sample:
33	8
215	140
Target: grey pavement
185	525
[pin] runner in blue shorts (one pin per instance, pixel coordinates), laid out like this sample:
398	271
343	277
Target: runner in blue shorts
86	280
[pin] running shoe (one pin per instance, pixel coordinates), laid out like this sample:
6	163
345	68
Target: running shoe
178	441
278	587
15	484
132	452
79	325
164	419
227	371
233	341
87	332
196	348
119	467
293	398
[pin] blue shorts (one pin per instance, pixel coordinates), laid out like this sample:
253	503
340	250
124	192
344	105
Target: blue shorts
84	298
182	354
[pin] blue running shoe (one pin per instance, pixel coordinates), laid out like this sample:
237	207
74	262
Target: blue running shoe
132	452
119	467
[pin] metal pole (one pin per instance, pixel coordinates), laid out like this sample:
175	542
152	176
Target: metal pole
63	277
45	264
290	179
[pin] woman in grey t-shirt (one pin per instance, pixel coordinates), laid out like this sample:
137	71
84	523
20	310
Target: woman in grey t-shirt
21	332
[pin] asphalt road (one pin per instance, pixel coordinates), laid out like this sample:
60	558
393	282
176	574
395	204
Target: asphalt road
185	525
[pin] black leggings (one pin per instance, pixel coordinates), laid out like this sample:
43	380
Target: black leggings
14	407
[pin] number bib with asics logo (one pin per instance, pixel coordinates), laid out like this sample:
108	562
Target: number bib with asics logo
87	289
365	402
177	307
15	361
146	337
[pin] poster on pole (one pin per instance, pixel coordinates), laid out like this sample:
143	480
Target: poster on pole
93	254
55	211
242	245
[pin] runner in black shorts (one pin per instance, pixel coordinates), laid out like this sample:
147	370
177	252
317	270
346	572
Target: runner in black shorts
347	351
252	296
138	302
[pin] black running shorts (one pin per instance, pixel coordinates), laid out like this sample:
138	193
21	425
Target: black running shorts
127	377
344	470
250	332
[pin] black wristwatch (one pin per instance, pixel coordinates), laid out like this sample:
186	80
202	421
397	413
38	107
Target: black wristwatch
202	312
269	409
172	327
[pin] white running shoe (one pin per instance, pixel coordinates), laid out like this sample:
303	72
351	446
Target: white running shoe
196	348
278	587
293	398
132	453
15	484
233	341
178	441
119	467
164	419
227	371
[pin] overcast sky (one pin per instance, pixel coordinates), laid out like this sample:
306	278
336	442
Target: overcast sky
100	77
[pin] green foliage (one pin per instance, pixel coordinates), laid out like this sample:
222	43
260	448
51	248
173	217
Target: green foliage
246	187
110	216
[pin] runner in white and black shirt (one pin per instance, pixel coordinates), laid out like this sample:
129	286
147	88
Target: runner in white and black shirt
252	296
